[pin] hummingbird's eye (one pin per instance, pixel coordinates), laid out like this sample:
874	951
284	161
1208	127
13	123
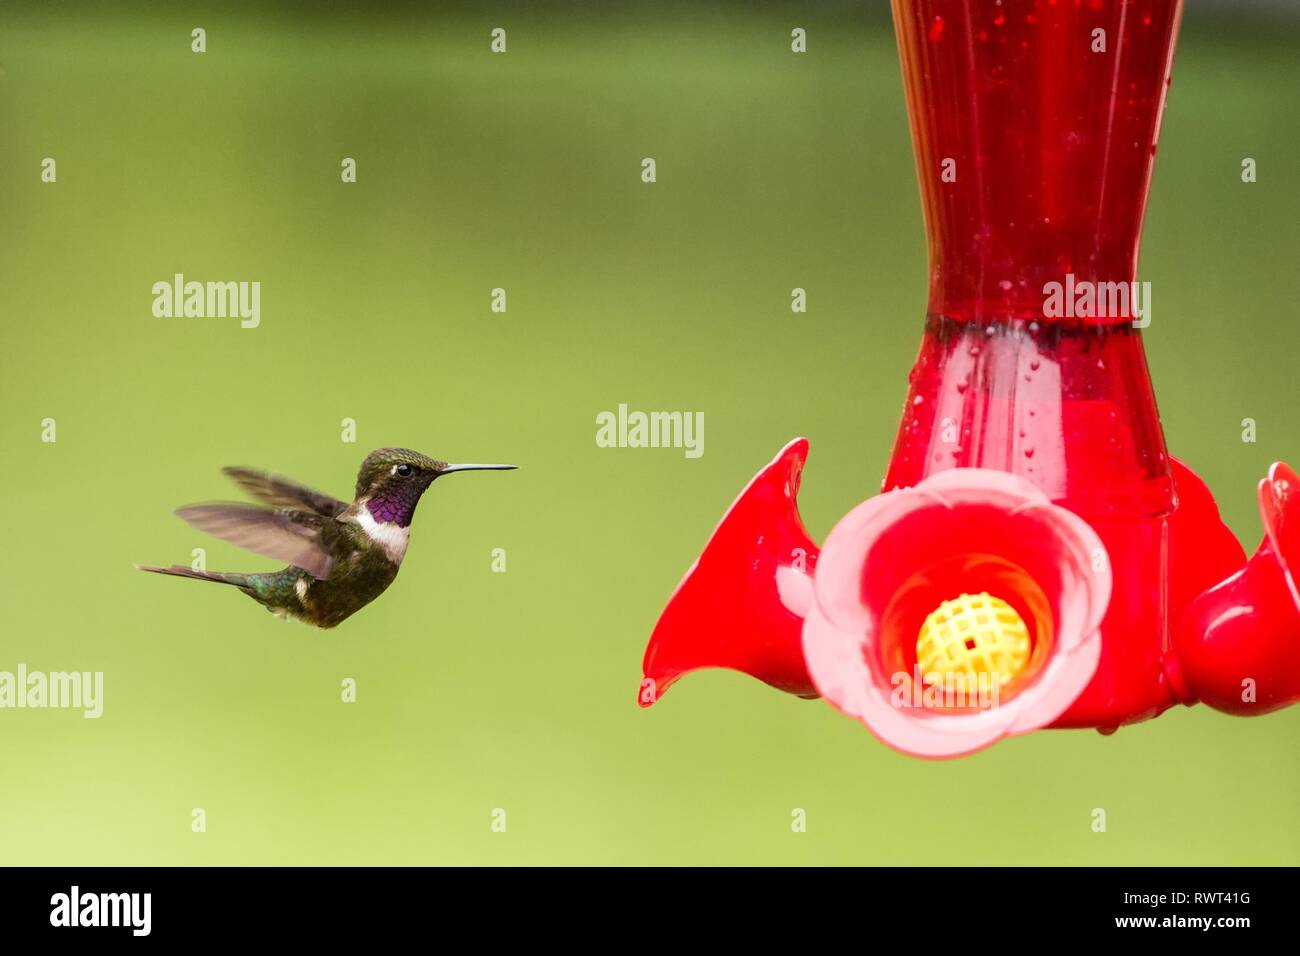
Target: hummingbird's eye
403	470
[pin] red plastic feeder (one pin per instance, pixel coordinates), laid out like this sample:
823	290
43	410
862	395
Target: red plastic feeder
1037	558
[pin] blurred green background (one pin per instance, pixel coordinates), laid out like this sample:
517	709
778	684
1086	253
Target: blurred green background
479	690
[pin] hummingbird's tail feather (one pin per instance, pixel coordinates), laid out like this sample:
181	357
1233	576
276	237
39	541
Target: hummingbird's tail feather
180	571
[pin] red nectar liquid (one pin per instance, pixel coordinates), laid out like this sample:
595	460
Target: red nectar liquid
1035	125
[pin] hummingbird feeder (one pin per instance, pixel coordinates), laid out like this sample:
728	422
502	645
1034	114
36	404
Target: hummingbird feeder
1037	558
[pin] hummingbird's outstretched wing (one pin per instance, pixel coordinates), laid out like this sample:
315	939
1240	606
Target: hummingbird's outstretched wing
292	536
280	492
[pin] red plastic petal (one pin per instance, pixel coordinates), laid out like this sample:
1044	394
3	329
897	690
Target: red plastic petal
1279	507
741	605
1238	646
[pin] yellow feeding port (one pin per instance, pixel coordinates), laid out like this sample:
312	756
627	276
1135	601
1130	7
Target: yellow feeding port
974	634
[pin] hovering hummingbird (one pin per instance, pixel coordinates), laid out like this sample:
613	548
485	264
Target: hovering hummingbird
342	556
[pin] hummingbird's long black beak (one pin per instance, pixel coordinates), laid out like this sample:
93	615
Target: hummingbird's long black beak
450	468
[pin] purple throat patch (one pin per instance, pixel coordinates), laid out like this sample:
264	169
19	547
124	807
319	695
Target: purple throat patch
395	509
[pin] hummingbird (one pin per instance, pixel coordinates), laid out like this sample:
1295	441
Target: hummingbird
341	556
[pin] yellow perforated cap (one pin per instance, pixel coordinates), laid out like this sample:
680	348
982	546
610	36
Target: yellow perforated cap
974	634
